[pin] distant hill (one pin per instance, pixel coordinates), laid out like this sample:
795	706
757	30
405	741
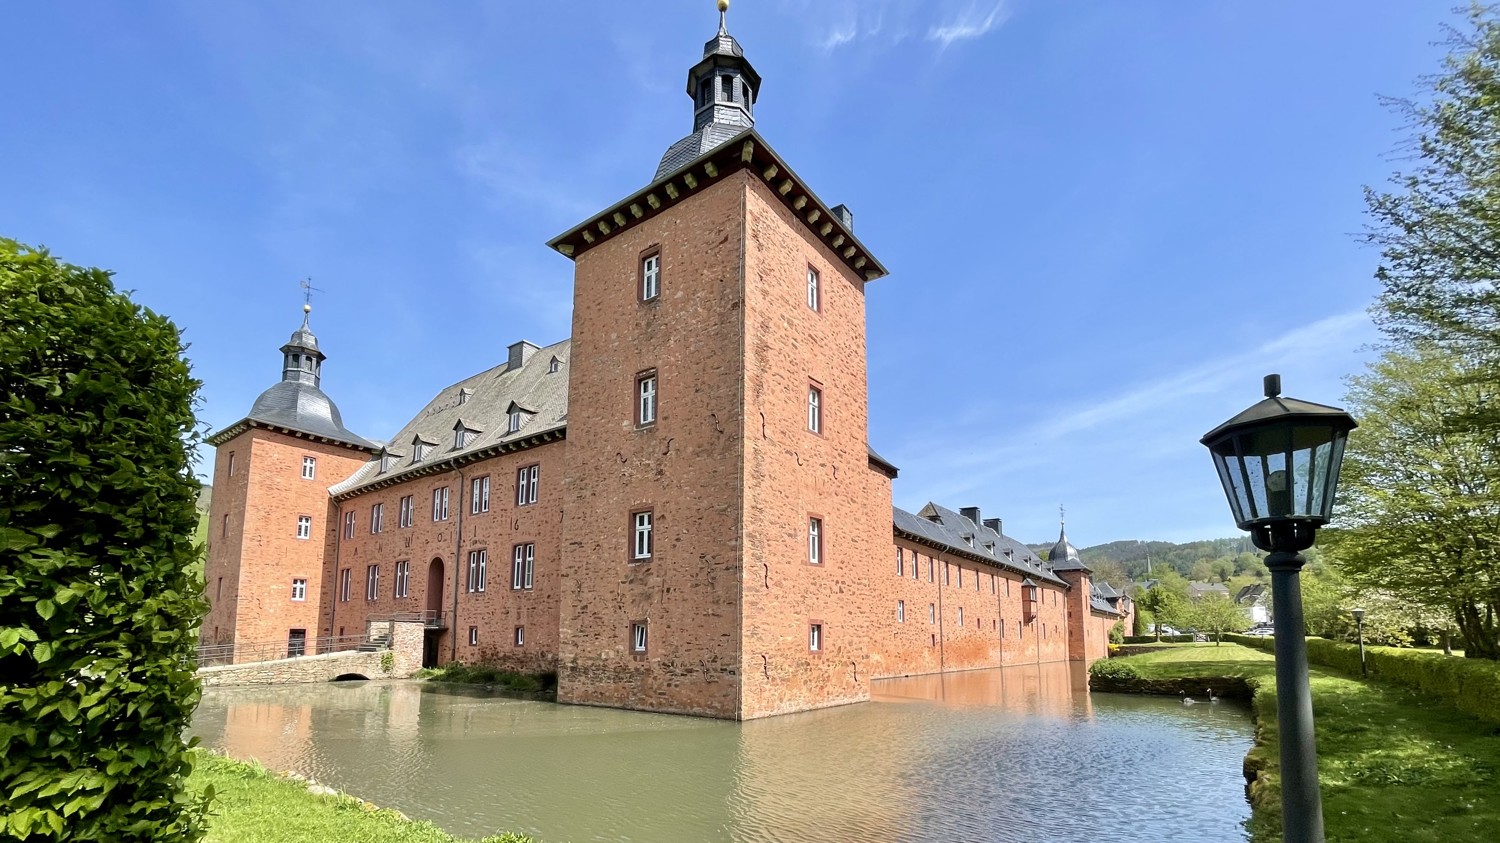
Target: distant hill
1210	559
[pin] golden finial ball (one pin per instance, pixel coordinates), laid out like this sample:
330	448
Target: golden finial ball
307	308
723	5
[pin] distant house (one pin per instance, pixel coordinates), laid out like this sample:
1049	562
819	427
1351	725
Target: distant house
1200	590
1256	599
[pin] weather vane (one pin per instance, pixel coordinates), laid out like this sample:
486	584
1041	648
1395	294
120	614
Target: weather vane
307	290
1062	514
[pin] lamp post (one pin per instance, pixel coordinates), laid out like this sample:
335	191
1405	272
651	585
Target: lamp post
1359	623
1279	464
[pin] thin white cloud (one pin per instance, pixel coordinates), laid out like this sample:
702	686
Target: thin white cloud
839	36
972	23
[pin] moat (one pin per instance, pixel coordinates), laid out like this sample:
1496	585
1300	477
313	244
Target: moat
1012	754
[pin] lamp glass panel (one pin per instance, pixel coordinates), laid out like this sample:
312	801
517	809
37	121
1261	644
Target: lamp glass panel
1340	439
1229	474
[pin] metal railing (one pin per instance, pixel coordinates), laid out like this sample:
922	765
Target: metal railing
265	651
430	618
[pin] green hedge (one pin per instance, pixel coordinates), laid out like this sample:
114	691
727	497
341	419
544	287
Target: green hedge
97	521
1469	685
1165	639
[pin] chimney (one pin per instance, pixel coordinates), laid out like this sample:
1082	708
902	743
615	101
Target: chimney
994	524
970	512
845	217
519	353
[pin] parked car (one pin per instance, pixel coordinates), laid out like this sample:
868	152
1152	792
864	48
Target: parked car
1262	632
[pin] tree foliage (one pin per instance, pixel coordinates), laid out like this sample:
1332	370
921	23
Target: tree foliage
1420	494
1216	614
97	521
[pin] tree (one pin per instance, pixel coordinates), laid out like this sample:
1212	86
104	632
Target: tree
1438	224
1165	603
96	537
1420	494
1217	614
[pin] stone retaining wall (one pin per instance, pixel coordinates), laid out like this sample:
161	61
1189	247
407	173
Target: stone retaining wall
405	658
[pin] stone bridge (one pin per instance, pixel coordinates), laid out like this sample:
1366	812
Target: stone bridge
399	659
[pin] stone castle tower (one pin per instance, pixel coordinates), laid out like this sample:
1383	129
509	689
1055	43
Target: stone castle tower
271	521
720	495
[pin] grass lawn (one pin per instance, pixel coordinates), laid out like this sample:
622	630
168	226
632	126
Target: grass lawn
253	805
1393	765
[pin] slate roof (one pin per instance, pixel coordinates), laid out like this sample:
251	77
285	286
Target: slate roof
695	146
1200	589
1250	594
949	532
484	412
1064	556
304	408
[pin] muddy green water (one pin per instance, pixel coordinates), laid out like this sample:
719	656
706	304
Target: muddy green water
1019	754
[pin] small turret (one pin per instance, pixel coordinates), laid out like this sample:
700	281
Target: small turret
724	87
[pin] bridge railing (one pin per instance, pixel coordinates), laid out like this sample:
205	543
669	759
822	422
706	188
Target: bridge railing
430	618
265	651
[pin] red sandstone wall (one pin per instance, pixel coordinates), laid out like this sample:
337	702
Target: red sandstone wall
685	467
220	568
263	554
496	611
792	474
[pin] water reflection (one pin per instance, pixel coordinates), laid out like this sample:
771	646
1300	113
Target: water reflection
1012	754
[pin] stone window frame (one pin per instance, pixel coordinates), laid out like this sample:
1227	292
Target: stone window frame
479	495
401	580
440	510
231	463
640	638
523	563
528	477
309	467
959	621
477	573
647	403
406	511
633	538
900	611
817	636
817	409
814	289
648	285
304	527
932	613
346	584
901	562
377	518
224	528
473	636
518	638
349	522
372	583
299	589
817	540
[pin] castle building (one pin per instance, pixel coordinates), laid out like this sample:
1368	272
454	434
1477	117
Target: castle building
678	508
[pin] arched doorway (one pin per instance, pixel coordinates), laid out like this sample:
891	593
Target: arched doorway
434	616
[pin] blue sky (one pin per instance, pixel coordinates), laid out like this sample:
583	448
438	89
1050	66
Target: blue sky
1104	221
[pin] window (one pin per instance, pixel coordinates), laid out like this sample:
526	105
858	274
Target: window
813	300
463	398
460	435
419	450
309	467
440	504
932	613
304	526
514	423
645	398
929	569
224	529
478	562
960	577
947	574
960	616
814	409
815	638
387	459
372	582
993	586
638	637
900	611
377	517
521	566
473	636
640	545
650	276
231	463
345	576
815	541
406	507
299	589
526	484
726	88
554	366
916	572
900	562
349	525
479	497
403	580
520	638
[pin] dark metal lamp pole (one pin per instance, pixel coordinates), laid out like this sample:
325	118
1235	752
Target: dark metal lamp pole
1279	463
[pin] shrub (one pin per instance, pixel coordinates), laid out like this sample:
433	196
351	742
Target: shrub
1113	669
97	518
1117	633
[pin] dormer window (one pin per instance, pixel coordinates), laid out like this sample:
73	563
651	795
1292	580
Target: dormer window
969	540
464	395
554	366
388	460
419	450
515	421
517	417
463	435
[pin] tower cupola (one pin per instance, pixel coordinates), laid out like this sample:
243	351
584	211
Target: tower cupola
1064	556
723	86
301	360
